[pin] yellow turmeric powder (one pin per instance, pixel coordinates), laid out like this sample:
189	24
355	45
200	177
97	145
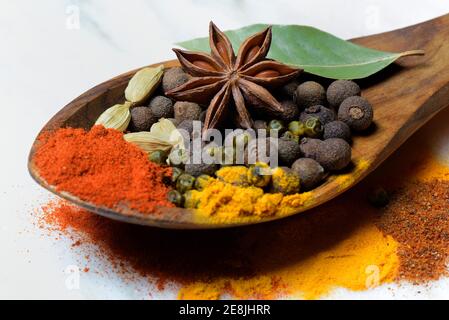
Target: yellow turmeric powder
229	198
364	259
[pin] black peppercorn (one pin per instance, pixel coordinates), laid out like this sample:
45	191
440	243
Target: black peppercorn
356	112
339	90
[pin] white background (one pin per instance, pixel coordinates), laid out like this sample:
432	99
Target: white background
47	59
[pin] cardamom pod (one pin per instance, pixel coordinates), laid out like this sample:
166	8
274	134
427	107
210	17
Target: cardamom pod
147	142
116	117
163	137
143	84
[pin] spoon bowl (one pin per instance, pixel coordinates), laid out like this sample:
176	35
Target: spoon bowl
404	96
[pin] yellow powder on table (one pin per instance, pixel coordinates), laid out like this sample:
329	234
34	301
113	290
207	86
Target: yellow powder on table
366	258
347	179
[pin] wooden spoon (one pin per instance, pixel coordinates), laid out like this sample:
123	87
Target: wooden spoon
405	96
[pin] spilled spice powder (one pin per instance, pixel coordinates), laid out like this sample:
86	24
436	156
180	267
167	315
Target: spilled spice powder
418	217
269	260
334	245
100	167
305	255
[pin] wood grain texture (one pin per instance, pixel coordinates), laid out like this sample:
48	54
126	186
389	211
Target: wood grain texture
405	96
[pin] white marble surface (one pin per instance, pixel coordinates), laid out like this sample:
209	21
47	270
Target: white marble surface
48	57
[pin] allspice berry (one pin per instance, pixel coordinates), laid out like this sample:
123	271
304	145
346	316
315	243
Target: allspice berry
260	125
323	114
310	147
174	77
288	151
161	107
310	173
200	169
333	154
310	93
356	112
378	197
186	125
187	111
337	129
339	90
142	119
290	112
288	91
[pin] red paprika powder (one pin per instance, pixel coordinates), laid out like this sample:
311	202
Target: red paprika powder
100	167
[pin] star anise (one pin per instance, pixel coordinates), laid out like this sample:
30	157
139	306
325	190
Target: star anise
222	79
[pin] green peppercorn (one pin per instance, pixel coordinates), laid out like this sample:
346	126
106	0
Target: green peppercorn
313	127
185	182
176	172
158	156
259	174
175	197
378	197
190	201
201	182
297	128
288	135
276	125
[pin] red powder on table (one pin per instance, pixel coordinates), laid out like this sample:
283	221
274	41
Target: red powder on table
100	167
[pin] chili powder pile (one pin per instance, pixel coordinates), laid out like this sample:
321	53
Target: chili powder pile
100	167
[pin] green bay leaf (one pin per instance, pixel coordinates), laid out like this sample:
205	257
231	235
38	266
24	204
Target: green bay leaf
313	50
